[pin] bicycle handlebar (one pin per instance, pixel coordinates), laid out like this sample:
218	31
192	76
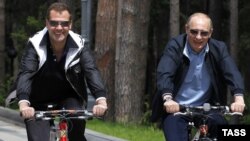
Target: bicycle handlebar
192	110
69	114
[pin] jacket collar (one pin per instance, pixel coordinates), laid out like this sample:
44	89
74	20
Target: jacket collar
75	43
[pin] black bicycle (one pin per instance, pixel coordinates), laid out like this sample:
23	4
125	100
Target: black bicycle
200	133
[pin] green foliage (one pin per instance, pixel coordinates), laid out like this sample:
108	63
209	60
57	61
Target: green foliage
4	89
34	24
1	99
247	102
146	116
19	36
246	119
24	31
245	41
145	120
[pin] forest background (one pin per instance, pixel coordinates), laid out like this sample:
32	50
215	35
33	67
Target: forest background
127	38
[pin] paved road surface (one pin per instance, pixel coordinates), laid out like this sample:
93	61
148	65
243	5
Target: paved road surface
11	132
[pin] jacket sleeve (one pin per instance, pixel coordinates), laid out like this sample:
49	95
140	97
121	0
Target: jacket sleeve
28	67
92	74
230	71
167	68
166	74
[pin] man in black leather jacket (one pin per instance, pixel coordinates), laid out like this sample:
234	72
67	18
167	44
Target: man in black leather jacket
195	69
56	68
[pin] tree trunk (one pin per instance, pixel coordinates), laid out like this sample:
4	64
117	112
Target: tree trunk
174	21
130	65
215	14
2	41
105	42
234	28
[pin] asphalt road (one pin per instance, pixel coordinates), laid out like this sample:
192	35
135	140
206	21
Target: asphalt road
12	132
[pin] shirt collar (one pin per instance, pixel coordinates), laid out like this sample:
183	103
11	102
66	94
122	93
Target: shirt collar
187	49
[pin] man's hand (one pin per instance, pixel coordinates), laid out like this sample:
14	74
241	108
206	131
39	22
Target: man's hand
100	108
171	106
238	105
25	110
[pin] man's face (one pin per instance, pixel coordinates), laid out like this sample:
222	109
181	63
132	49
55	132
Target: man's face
58	25
198	31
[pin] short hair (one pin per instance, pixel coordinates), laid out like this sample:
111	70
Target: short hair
59	7
200	14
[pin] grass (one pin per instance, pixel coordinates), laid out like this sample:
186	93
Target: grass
127	132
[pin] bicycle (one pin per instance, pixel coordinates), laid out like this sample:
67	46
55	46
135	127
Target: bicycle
201	133
61	119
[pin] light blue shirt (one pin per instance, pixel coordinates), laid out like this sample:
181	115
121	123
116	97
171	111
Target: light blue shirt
196	84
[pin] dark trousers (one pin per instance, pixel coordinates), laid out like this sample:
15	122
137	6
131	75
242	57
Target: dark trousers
40	130
175	128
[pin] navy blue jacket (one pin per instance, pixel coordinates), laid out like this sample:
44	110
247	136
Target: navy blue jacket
173	67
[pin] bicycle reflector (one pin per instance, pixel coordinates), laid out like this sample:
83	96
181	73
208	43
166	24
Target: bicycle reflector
63	130
203	130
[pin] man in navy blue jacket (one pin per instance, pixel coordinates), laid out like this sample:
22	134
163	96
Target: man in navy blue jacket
195	69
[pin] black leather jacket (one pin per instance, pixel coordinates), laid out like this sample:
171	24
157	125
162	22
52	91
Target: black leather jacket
80	68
